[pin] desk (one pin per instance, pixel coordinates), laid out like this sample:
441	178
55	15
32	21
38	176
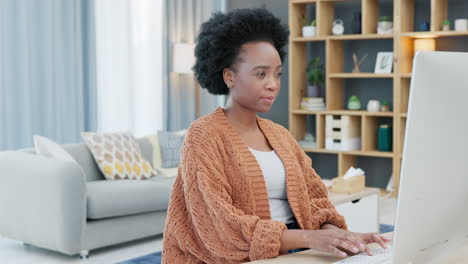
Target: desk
311	256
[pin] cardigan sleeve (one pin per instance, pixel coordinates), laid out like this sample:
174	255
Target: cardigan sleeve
226	231
325	211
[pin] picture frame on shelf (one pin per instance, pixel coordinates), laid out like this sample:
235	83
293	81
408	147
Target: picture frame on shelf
384	62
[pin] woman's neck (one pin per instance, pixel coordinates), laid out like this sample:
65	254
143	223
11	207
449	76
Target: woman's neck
242	118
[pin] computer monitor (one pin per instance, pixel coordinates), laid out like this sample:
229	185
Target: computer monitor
432	207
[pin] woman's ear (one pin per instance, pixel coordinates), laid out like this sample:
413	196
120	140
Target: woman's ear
228	76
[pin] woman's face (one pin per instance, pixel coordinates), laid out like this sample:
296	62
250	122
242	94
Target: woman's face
254	79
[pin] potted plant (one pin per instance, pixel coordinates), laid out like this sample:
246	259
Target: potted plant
385	25
385	107
315	77
310	30
446	25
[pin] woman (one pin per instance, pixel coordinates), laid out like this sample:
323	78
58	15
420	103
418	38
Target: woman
245	189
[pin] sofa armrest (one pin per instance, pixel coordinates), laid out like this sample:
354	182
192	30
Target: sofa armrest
42	201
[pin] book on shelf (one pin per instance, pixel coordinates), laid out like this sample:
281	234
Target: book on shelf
313	103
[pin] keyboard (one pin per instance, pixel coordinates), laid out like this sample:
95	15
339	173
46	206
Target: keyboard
381	256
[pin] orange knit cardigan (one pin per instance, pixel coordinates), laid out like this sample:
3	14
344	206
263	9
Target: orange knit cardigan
219	209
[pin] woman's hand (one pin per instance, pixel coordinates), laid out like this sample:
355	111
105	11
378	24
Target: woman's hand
369	238
341	242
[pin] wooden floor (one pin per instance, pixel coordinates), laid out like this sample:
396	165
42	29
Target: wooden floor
13	252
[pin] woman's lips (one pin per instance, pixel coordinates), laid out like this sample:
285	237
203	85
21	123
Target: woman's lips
268	99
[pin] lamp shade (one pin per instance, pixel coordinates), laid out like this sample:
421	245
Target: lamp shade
183	58
424	45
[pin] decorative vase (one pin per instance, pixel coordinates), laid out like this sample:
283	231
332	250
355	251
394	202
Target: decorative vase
461	24
354	103
308	141
373	106
424	26
313	91
385	27
309	31
384	138
356	24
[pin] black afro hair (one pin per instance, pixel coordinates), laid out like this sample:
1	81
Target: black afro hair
221	37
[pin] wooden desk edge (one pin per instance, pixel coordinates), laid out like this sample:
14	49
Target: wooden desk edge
309	256
458	256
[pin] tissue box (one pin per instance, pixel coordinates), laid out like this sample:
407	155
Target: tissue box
351	185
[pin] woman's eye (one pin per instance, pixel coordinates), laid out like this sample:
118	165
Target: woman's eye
279	74
260	74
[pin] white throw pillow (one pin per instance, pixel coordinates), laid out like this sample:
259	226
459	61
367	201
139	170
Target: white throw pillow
49	148
157	160
168	172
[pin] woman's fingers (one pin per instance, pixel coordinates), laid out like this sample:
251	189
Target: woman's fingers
335	251
356	240
368	251
359	240
379	240
347	246
343	243
386	239
375	238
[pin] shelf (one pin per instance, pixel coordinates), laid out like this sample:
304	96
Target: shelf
310	39
303	1
361	36
375	153
343	112
405	75
404	115
344	37
328	112
360	75
382	114
380	154
435	34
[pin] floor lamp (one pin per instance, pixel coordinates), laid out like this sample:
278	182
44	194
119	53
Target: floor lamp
183	59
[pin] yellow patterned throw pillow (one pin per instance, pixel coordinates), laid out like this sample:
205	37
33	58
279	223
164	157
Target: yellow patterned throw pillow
118	155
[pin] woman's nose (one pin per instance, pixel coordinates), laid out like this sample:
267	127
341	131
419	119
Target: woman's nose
273	83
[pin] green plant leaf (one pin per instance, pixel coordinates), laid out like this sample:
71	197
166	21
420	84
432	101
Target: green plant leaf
315	72
385	19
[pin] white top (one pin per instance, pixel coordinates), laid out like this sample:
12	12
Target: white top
275	179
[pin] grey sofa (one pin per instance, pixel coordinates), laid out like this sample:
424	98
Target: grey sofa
49	204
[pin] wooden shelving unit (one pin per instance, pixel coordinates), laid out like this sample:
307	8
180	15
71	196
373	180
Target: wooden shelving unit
403	40
343	112
360	75
435	34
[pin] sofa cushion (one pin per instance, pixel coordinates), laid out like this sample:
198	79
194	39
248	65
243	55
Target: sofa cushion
170	144
118	155
126	197
157	157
